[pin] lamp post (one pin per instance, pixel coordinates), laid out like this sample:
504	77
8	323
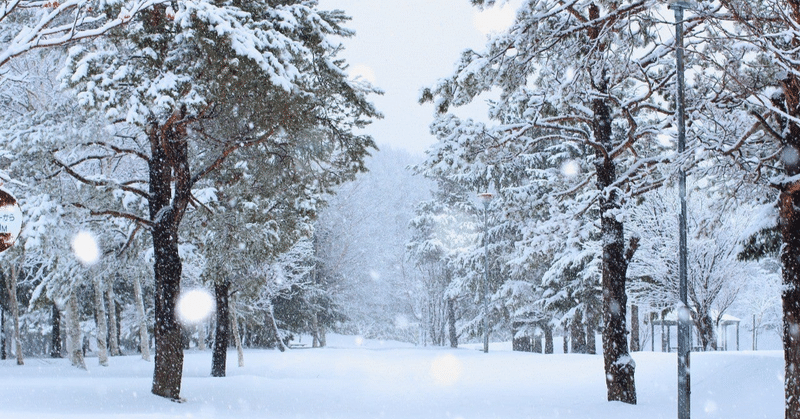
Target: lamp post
486	198
684	335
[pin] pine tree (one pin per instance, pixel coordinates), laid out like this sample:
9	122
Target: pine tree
586	78
757	48
256	69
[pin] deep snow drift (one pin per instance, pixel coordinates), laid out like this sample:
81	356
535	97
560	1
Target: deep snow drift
356	378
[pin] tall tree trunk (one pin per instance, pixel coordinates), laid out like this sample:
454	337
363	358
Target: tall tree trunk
619	366
11	288
102	326
74	340
566	340
3	353
635	344
144	337
548	338
168	367
789	223
168	166
451	322
55	334
113	335
237	340
221	337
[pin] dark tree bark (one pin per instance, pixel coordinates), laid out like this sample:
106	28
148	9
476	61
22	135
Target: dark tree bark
537	344
566	342
789	223
221	333
3	353
591	343
548	339
451	322
168	165
635	344
55	335
790	255
521	343
578	335
619	366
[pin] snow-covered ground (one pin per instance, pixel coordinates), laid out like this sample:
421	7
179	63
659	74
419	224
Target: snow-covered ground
356	378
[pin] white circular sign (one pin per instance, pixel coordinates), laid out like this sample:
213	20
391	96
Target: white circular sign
10	220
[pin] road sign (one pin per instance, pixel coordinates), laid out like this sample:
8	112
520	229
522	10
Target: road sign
10	220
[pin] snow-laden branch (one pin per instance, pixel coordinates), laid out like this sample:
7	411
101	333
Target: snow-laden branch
59	23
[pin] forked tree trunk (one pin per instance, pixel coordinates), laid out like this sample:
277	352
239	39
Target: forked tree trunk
144	337
102	326
113	335
221	336
55	334
74	340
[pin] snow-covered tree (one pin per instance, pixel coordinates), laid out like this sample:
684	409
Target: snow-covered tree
716	275
444	234
752	78
360	244
264	72
585	79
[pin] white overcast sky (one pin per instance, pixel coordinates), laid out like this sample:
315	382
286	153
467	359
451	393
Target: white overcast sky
404	45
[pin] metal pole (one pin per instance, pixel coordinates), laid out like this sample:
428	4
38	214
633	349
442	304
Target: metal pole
684	344
485	275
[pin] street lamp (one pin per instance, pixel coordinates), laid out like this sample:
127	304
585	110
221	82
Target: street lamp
684	335
486	197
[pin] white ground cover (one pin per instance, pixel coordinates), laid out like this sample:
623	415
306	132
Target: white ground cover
356	378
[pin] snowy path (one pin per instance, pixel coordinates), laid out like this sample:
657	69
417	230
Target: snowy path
394	381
